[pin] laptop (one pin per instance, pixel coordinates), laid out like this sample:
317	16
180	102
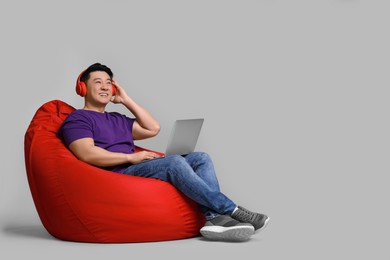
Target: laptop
184	136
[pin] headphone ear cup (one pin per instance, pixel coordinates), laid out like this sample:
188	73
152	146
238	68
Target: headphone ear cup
81	89
113	89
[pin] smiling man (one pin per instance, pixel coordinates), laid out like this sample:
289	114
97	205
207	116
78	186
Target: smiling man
106	140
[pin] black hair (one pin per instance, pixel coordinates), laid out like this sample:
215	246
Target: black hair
95	67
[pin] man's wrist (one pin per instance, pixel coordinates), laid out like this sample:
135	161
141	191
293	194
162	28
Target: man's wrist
129	158
127	101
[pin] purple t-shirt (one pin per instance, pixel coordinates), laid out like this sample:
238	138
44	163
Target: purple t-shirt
110	130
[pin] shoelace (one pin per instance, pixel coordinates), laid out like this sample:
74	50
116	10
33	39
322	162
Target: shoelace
246	215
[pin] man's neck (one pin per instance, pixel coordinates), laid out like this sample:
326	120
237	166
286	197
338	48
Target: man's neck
95	108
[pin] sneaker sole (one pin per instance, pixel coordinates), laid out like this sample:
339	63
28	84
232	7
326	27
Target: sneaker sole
232	234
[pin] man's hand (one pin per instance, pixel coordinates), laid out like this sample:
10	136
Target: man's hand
142	156
120	95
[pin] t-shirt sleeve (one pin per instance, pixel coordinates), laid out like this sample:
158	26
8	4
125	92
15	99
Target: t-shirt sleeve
130	122
75	127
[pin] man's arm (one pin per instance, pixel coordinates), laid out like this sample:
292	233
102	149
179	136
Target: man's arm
86	151
145	125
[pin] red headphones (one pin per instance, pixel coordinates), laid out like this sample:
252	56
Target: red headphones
81	88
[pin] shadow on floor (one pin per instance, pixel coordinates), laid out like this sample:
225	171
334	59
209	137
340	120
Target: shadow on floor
32	231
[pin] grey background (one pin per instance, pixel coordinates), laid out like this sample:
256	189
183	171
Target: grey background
294	96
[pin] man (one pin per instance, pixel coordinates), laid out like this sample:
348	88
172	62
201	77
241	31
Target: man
106	140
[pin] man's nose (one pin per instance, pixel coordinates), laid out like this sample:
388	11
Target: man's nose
105	86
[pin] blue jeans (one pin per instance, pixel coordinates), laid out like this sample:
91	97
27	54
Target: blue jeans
193	175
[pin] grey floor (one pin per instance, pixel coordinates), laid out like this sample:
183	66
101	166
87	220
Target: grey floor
337	235
24	240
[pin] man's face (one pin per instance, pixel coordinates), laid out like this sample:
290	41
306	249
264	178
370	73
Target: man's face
99	87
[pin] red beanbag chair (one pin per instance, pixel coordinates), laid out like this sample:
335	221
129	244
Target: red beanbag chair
79	202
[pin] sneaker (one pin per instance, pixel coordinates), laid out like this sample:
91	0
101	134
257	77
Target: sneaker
225	228
243	215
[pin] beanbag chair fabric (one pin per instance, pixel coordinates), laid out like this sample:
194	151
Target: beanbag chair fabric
76	201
